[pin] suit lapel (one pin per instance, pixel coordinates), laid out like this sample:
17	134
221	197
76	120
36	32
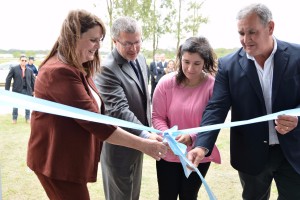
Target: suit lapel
19	71
249	68
280	64
130	72
126	68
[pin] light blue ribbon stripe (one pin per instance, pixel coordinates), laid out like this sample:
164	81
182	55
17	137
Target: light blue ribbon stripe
32	103
41	105
27	102
273	116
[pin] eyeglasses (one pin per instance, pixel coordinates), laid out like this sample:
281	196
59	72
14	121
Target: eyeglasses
23	60
127	45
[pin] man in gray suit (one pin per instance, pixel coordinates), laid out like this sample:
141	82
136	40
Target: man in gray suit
122	83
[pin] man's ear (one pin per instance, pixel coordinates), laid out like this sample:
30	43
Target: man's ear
271	25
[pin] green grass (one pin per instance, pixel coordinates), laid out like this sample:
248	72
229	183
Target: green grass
20	183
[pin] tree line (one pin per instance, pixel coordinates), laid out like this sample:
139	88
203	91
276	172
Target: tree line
160	17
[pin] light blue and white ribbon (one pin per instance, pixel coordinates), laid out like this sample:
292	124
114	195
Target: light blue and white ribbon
179	149
13	99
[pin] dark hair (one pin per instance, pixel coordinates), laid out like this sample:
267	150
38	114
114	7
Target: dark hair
22	56
201	46
76	23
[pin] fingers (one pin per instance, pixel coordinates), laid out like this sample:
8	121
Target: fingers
286	123
282	129
196	155
184	139
159	151
154	136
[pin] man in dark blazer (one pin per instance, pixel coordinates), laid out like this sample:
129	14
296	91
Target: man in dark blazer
122	83
159	71
23	82
161	67
153	73
261	78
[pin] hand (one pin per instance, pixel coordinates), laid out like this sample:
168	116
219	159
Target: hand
155	149
196	155
184	139
159	138
154	136
285	123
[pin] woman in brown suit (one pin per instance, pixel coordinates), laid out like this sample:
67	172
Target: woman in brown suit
64	152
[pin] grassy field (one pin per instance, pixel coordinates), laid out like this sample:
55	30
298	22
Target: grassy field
20	183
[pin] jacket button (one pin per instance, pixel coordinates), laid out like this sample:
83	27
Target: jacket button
265	142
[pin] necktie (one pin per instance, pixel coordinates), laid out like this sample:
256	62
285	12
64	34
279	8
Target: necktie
137	72
135	69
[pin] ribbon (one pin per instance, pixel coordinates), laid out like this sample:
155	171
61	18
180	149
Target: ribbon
179	149
28	102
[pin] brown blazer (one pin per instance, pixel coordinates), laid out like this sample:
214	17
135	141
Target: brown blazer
60	147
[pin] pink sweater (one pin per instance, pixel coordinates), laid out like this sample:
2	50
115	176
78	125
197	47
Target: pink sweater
181	106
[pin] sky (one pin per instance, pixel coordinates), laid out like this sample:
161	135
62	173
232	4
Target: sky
35	24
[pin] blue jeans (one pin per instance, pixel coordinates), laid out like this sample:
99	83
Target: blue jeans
15	110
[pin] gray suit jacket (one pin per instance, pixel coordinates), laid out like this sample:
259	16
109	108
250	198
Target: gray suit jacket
124	99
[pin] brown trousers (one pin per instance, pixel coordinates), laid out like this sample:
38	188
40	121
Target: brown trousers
63	190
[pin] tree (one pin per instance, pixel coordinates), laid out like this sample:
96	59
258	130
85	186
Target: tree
162	16
157	17
109	5
178	36
193	21
138	9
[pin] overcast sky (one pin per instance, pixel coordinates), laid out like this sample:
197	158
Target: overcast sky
35	24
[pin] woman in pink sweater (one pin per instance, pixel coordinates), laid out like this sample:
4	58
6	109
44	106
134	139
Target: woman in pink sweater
180	99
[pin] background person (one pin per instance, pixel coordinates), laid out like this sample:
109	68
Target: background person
163	63
31	66
179	99
153	73
23	82
64	152
260	78
170	67
123	85
161	67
